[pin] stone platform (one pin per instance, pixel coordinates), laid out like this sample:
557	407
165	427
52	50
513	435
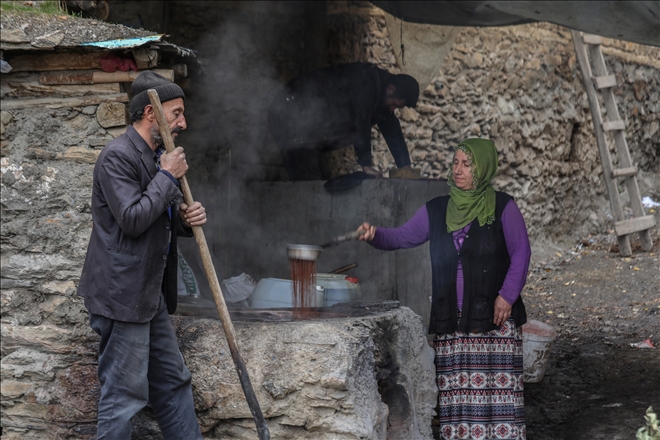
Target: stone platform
359	372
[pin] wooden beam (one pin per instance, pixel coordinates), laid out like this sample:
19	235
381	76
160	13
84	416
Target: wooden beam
64	77
637	224
604	82
105	77
56	61
95	76
624	172
614	125
591	39
15	87
14	104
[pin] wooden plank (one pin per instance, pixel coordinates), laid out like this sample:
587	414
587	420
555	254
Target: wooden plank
64	77
104	77
56	61
15	87
95	76
614	125
604	82
638	224
14	104
625	172
591	39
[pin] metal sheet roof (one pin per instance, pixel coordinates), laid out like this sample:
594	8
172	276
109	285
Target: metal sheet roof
124	43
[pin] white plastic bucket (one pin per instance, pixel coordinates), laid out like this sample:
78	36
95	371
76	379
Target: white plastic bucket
537	340
338	288
272	293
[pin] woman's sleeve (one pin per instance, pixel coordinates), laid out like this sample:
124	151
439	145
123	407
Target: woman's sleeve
413	233
517	243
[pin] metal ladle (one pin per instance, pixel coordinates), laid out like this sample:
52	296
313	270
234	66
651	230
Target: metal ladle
311	253
303	252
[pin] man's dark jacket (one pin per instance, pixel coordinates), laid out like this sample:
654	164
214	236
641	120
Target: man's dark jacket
335	107
485	261
131	259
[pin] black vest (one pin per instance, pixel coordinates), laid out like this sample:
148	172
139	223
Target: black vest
485	262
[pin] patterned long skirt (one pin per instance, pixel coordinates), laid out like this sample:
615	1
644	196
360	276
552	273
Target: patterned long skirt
480	384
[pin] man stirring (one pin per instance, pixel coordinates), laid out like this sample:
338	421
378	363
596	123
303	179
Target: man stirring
129	277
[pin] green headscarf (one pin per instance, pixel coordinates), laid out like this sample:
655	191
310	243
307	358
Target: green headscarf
479	202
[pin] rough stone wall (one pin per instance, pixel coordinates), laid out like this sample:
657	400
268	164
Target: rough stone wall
48	354
520	86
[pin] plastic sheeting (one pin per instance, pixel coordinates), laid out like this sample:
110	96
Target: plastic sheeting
637	21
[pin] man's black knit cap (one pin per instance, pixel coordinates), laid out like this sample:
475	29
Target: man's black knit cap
146	80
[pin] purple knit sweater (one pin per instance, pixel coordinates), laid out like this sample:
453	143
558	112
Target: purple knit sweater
415	232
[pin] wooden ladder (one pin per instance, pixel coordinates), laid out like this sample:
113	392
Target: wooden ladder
640	222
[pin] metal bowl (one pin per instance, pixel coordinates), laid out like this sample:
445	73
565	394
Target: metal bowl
303	252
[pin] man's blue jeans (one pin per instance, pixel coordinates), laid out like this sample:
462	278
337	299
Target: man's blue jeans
140	363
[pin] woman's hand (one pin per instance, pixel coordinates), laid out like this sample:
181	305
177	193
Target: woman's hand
193	215
368	232
502	311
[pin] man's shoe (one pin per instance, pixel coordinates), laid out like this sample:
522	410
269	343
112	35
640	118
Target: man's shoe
406	172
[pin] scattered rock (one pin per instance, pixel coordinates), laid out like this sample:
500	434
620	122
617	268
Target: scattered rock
14	36
49	40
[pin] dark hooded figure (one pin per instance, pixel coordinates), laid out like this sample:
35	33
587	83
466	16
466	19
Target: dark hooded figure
335	107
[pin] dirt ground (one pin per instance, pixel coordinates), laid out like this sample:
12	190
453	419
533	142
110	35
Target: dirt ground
596	385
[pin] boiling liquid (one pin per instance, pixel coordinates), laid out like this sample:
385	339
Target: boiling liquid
303	277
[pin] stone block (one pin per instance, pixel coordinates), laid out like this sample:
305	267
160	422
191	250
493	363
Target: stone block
409	114
10	389
5	117
14	36
49	40
115	132
354	377
59	287
111	114
81	155
46	338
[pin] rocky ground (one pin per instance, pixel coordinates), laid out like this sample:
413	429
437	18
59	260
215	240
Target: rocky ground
596	385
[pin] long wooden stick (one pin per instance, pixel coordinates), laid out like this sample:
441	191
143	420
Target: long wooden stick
262	429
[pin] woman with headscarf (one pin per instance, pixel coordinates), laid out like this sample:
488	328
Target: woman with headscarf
479	259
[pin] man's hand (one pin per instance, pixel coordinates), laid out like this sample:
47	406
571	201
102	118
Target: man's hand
174	163
369	232
372	172
193	215
502	311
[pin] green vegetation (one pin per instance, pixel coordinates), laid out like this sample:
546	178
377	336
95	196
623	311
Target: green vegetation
652	429
34	7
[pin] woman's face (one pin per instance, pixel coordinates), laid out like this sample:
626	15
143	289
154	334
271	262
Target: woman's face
462	171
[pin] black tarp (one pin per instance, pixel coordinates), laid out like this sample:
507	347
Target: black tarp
636	21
